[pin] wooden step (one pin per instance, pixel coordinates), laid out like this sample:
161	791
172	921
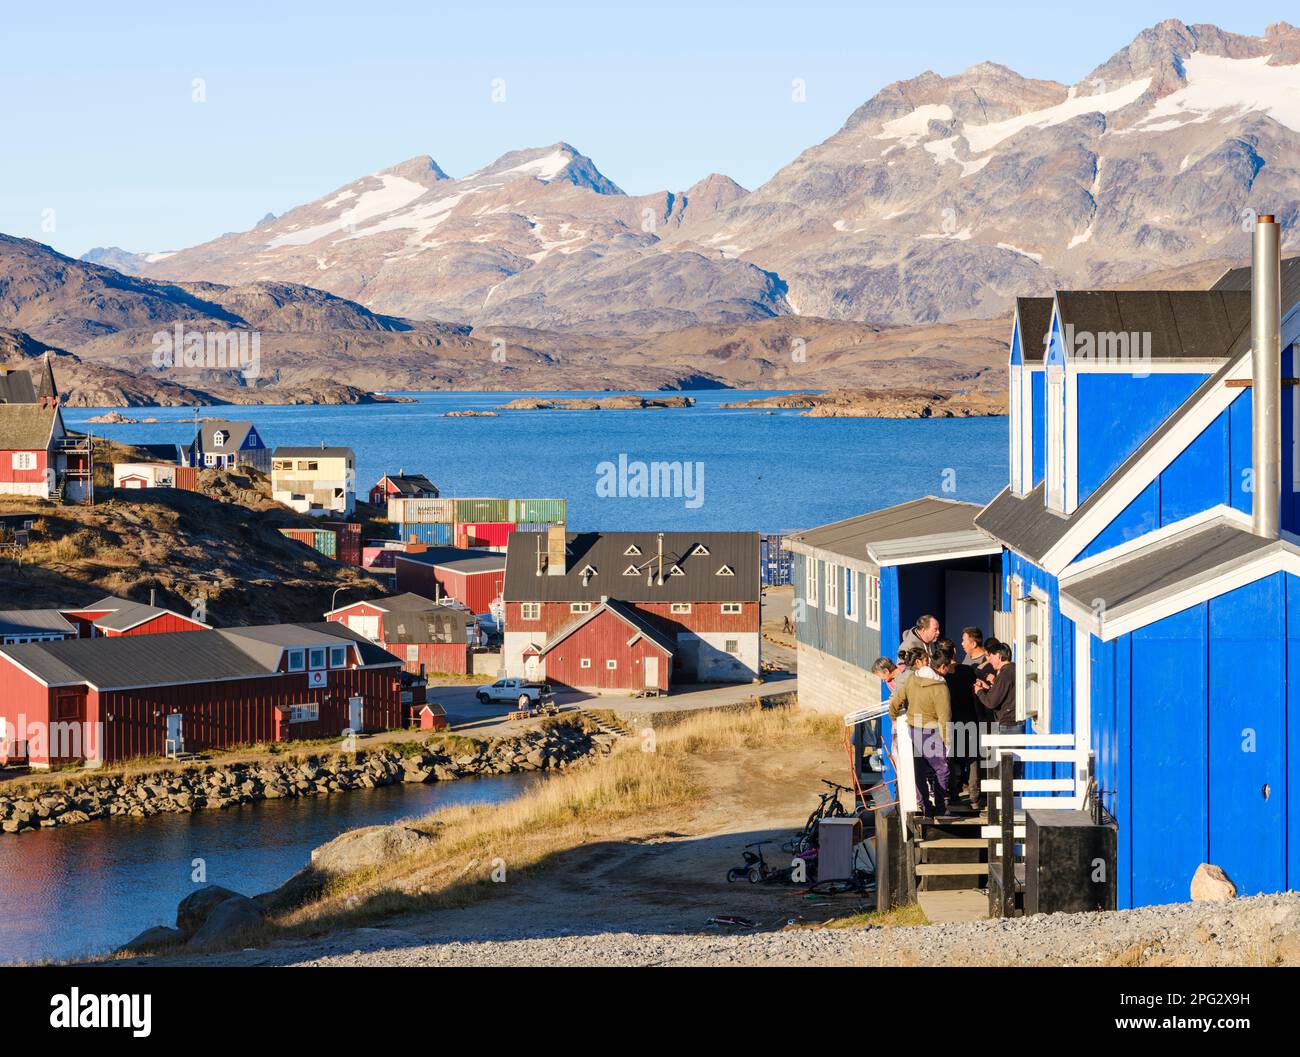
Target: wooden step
954	842
951	869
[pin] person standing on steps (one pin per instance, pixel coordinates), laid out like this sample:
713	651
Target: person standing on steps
924	697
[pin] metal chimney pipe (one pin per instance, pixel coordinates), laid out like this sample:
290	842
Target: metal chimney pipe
1266	377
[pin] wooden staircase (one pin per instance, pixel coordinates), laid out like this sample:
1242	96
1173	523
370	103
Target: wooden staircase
950	855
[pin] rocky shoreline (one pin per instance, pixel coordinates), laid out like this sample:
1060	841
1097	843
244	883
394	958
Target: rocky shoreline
215	786
881	403
621	402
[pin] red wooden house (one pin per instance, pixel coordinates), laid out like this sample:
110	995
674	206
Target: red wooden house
113	616
700	590
111	698
37	458
402	485
422	634
611	648
473	578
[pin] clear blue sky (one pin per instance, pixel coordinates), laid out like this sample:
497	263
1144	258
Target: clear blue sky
99	125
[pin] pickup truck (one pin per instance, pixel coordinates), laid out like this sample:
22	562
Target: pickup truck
520	691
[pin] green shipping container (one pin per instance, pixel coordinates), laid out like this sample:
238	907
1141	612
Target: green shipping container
482	510
548	511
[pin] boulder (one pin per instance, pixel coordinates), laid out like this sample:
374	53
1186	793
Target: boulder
151	939
193	910
362	848
1211	885
229	920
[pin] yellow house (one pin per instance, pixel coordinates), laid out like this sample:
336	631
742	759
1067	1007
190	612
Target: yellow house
316	481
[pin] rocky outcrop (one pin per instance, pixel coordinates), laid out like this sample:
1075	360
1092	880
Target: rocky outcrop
621	402
203	788
885	403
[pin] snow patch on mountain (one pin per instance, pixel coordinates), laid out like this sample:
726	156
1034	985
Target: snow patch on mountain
392	194
1216	84
985	137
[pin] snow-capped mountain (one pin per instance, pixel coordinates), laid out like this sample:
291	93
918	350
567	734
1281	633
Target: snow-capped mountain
940	198
493	245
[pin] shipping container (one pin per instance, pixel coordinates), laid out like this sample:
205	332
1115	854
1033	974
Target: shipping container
421	511
775	561
473	510
322	540
347	540
435	535
538	511
484	534
187	478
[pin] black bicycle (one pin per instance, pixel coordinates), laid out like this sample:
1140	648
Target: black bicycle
828	806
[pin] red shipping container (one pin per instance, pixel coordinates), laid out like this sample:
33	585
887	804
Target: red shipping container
484	533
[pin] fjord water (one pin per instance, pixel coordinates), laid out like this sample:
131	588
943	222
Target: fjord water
87	889
763	471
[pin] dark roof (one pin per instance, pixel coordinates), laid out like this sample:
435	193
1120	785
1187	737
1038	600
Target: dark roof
164	452
412	484
179	657
238	433
605	552
1240	279
307	453
1161	567
929	516
1027	526
34	622
26	427
1183	324
638	623
1035	316
429	623
459	559
16	387
47	389
122	614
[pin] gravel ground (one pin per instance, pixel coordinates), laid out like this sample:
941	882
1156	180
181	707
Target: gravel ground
1261	930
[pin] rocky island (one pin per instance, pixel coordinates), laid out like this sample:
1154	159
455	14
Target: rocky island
621	402
882	403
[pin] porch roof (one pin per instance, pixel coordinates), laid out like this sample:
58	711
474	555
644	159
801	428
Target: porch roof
922	529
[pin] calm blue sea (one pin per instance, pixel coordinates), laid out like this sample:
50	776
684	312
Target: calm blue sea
760	471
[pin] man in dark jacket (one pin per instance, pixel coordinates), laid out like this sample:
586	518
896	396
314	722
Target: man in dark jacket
998	694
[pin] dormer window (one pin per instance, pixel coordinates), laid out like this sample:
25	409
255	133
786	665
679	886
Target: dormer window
631	570
676	570
297	660
633	551
588	571
726	570
700	550
219	438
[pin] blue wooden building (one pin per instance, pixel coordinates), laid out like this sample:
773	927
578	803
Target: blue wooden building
1147	556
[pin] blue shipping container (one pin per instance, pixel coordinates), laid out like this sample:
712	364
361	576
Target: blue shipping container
775	561
433	534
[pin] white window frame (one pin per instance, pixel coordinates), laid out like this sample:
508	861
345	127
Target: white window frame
297	660
831	599
611	664
311	658
338	656
872	609
679	607
733	608
412	653
731	646
23	460
1054	387
810	578
530	610
585	662
850	597
579	607
1034	659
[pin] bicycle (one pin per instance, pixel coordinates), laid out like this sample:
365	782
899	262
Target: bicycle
828	806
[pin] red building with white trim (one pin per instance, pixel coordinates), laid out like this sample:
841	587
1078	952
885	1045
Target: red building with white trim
422	634
473	578
700	591
103	699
